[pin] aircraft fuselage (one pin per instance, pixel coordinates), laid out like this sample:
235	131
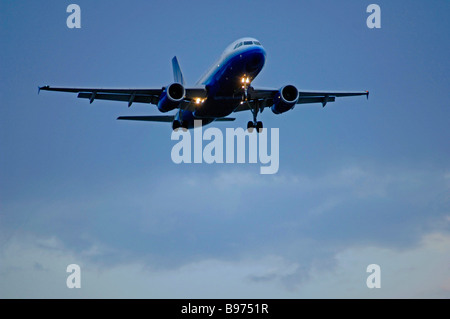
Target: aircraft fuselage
226	80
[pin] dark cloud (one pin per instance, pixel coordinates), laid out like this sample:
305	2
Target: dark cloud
305	220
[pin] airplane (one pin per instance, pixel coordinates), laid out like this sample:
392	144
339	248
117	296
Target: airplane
224	89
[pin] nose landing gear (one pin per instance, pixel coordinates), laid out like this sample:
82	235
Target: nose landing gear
255	109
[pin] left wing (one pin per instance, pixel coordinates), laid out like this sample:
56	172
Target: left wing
265	97
125	95
325	97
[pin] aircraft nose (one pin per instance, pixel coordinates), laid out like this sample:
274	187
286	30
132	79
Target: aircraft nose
255	61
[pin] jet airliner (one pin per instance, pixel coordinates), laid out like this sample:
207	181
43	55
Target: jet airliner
225	88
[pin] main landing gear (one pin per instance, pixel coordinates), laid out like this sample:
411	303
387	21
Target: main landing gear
176	124
251	125
255	123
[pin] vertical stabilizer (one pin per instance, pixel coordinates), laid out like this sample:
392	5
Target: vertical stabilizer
177	75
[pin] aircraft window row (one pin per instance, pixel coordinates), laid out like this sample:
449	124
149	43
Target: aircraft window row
247	43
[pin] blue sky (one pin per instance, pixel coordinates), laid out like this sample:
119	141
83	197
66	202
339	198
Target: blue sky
359	182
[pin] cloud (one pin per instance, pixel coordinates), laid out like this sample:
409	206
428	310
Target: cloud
31	270
234	217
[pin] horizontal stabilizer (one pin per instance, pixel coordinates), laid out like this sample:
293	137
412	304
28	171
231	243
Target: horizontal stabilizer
148	118
225	119
163	118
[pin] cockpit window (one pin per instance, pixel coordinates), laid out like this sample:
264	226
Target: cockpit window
246	43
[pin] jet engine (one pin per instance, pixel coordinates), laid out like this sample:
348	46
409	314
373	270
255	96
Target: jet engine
171	97
285	99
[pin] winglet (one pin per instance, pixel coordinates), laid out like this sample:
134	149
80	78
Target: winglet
42	87
367	94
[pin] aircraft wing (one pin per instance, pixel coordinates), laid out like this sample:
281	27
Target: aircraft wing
324	97
125	95
265	97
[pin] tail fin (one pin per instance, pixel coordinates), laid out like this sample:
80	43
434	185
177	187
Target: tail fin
177	75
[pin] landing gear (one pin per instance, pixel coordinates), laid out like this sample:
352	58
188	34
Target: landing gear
255	109
259	126
251	125
177	124
255	123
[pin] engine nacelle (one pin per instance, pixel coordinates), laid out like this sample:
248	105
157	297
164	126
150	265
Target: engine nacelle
171	97
285	99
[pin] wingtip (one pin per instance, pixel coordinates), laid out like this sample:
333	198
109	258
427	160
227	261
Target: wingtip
42	88
367	94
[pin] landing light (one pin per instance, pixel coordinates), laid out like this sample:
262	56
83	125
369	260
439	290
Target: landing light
245	80
199	100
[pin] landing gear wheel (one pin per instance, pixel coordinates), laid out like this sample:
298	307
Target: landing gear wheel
250	126
259	126
184	126
176	125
